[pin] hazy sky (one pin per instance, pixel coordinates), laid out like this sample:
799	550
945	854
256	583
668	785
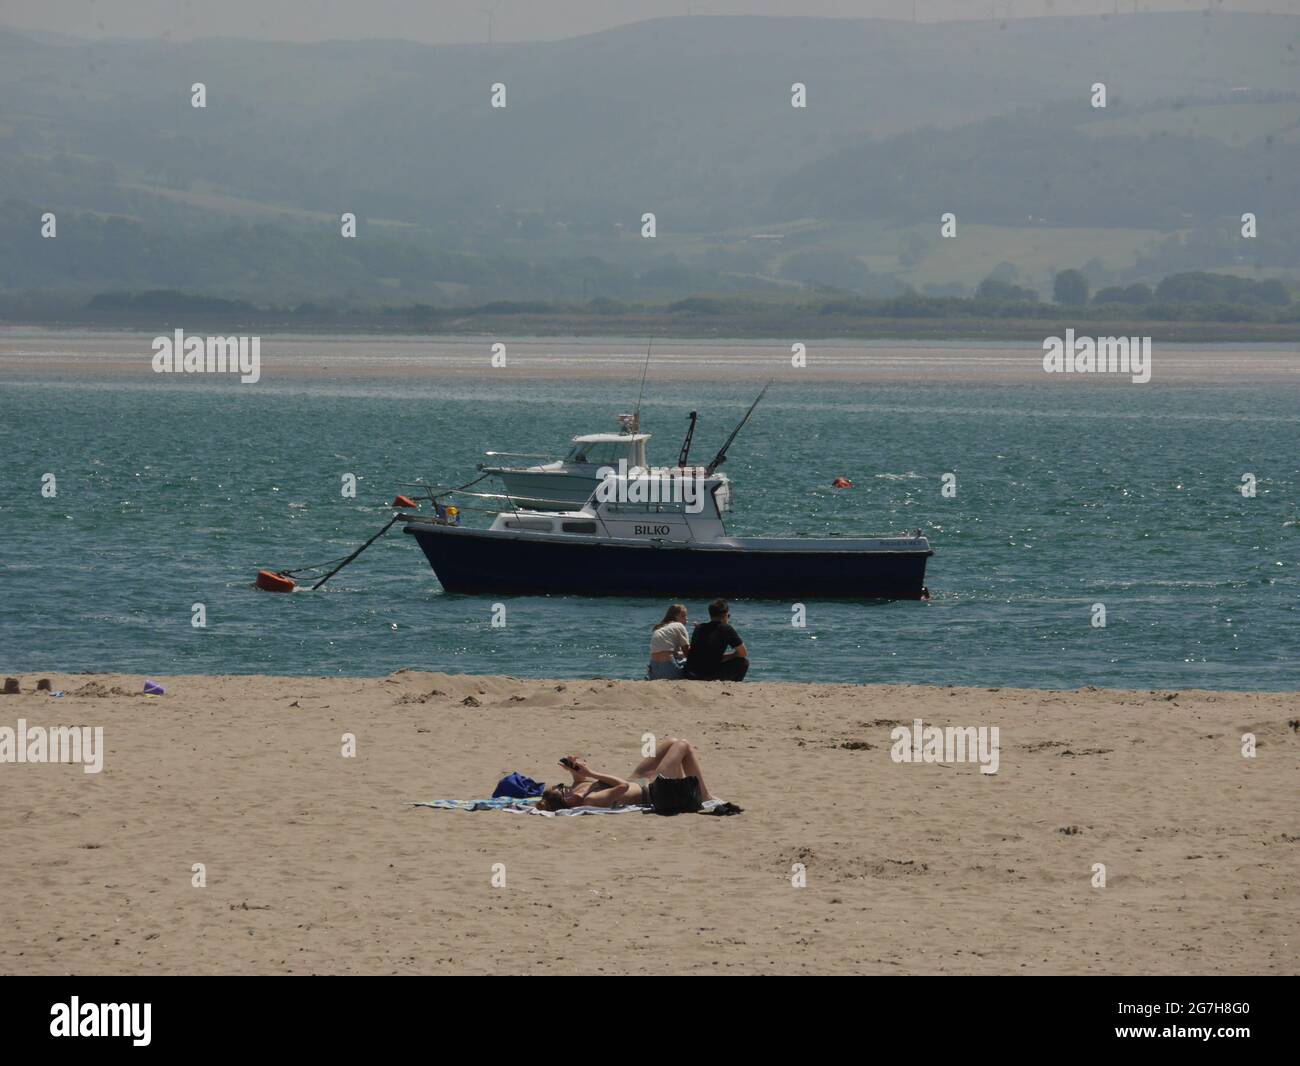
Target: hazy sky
443	21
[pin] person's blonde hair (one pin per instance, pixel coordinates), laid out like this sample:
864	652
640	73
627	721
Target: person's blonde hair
675	613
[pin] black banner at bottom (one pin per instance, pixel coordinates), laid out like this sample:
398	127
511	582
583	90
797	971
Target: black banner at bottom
224	1014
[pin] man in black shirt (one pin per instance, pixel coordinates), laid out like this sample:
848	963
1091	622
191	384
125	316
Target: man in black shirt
709	658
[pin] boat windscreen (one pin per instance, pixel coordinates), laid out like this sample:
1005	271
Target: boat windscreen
602	453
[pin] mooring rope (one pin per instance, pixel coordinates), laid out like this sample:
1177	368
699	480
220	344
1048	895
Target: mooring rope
343	560
314	566
387	526
467	484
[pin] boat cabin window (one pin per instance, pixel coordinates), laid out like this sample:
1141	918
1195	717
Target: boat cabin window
602	453
543	525
623	507
579	527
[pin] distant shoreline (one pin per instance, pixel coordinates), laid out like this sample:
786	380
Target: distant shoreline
68	353
688	326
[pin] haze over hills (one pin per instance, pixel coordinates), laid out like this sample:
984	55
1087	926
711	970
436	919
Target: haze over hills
691	119
463	21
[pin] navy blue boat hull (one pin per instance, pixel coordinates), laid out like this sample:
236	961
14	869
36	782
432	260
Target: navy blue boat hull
476	562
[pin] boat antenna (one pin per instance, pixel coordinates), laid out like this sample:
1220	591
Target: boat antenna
686	444
721	457
636	414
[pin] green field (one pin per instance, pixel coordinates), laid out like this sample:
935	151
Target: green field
918	255
1038	252
1232	124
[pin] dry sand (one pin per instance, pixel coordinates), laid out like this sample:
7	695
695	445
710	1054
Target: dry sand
315	863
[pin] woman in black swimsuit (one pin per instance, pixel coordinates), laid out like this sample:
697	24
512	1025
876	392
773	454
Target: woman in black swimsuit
672	758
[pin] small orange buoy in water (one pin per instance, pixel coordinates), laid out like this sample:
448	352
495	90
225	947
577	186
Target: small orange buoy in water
841	483
405	501
269	582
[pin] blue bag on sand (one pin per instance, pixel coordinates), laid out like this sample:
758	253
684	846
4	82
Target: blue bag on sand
517	786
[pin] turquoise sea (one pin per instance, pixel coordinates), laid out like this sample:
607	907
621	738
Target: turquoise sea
173	492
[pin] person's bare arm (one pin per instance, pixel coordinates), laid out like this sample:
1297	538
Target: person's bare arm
610	796
738	652
606	779
588	774
573	763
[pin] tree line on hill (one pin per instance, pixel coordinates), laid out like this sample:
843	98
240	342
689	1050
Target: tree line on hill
1071	289
1186	297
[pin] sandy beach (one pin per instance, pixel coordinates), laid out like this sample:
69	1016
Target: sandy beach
316	863
30	353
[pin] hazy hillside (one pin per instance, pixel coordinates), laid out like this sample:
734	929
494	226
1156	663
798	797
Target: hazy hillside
687	117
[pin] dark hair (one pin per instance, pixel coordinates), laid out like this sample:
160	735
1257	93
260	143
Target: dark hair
553	799
675	613
718	608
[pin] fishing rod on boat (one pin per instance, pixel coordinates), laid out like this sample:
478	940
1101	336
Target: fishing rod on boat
721	457
686	444
636	413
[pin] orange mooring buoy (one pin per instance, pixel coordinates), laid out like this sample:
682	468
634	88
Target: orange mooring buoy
269	582
405	501
841	483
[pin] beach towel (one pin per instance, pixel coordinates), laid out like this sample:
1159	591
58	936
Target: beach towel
570	811
713	806
497	803
529	806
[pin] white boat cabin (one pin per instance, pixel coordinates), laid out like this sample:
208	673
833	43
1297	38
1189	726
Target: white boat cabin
666	506
606	449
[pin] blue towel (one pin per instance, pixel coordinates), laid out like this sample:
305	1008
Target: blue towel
495	804
517	786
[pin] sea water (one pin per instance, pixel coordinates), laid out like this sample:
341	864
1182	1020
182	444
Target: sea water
171	494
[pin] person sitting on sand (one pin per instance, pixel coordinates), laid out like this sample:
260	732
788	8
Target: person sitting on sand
709	659
673	758
668	642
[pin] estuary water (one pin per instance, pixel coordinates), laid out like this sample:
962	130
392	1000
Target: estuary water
172	490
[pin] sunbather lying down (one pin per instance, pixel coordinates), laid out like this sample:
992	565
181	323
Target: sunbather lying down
673	758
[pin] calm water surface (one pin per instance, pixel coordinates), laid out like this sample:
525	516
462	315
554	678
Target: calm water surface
174	491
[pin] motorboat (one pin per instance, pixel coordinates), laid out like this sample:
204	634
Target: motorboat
567	483
661	536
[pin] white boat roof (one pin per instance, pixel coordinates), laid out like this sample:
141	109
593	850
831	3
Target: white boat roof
610	438
671	474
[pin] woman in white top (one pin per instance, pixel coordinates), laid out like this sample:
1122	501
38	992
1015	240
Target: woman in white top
669	643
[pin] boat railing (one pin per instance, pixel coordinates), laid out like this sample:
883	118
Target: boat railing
513	502
436	493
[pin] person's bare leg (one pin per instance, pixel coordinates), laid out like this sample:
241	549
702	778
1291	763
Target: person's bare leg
647	768
691	766
681	761
671	764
